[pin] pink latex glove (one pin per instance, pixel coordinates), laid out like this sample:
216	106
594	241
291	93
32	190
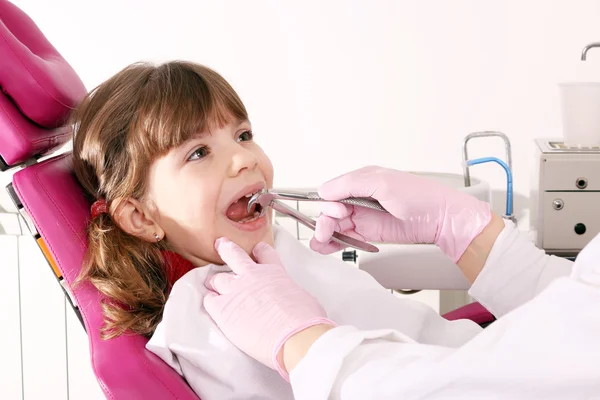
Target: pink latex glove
421	211
258	307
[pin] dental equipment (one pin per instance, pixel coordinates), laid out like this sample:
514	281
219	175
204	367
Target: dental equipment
509	183
268	198
565	188
587	48
506	165
564	197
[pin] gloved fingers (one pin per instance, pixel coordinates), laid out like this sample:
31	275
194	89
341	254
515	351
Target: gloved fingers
325	248
212	305
233	255
326	225
358	183
265	254
332	246
336	210
221	282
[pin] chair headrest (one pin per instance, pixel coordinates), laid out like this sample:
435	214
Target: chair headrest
59	212
39	89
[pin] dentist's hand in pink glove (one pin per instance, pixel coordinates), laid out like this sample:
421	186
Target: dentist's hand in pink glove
258	307
421	211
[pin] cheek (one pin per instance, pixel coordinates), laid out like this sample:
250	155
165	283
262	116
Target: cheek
187	203
192	206
188	208
191	223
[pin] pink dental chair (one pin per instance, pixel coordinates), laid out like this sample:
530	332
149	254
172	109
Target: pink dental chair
39	89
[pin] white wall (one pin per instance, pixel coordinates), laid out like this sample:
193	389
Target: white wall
334	85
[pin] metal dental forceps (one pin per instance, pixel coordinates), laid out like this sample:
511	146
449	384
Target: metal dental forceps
268	198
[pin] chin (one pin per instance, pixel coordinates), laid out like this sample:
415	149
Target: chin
247	240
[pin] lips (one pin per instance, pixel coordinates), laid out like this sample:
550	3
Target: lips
237	210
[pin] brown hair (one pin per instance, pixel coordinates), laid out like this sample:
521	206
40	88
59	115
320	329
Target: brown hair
120	128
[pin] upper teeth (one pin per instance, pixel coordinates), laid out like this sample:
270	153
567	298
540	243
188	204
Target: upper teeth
247	196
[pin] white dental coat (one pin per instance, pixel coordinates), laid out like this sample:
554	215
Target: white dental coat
390	347
545	344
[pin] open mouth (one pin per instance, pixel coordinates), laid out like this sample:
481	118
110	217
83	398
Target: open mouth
238	210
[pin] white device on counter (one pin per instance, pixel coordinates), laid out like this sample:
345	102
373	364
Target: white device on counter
579	103
565	196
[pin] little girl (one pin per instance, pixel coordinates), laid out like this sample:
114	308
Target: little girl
168	156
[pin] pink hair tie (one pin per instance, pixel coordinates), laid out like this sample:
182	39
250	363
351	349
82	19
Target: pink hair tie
99	207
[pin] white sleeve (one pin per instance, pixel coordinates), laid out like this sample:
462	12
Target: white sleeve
528	353
515	271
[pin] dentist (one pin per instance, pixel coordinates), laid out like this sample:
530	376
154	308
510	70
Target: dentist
543	345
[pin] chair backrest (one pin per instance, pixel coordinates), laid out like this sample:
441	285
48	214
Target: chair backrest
39	90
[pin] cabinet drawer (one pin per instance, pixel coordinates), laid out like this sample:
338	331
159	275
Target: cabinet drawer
563	173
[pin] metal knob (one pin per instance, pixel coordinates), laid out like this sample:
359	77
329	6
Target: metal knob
558	204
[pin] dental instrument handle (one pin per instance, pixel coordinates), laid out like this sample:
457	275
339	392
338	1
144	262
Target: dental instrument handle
314	196
309	223
353	201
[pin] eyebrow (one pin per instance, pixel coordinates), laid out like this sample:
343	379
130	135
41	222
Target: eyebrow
204	133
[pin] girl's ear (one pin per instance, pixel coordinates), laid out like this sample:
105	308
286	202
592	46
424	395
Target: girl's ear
136	219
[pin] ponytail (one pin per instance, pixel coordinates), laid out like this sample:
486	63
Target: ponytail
131	275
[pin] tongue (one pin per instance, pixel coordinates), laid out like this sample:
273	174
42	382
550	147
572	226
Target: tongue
238	210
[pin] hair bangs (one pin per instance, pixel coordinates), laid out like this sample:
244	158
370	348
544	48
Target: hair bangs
180	101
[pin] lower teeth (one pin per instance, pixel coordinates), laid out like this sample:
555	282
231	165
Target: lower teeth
249	218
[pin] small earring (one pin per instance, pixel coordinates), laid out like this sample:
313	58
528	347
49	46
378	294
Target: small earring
156	237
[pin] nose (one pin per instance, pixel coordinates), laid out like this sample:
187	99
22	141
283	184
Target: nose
242	159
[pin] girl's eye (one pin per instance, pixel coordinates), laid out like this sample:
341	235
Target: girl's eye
199	153
245	136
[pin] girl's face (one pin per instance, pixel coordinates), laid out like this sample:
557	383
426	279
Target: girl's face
200	189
